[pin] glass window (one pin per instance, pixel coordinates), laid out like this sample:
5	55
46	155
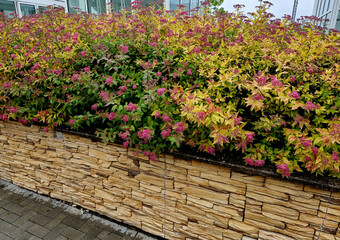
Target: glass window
195	4
78	4
96	6
337	24
27	9
174	4
186	3
148	3
7	7
41	9
117	5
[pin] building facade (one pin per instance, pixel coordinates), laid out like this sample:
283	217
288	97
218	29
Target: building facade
328	9
29	7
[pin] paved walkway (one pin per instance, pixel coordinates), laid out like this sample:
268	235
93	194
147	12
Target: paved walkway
25	215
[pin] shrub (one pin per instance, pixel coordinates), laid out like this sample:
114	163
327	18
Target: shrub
158	80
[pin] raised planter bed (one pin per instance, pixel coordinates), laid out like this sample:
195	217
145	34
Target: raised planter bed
177	197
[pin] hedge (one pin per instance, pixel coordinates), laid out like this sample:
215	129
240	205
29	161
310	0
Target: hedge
158	80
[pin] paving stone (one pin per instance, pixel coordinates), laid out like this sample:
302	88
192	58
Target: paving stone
41	219
24	236
2	211
6	227
41	209
87	226
4	237
24	218
38	230
73	222
21	229
55	212
12	207
92	233
34	238
3	202
25	210
103	234
16	198
9	216
113	236
55	232
60	237
72	233
54	222
26	202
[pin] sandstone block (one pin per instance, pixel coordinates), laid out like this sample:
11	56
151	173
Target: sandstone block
284	219
245	178
97	154
227	187
264	219
237	200
152	229
154	180
133	203
315	220
209	167
302	231
176	175
254	208
289	191
330	208
243	227
228	211
114	197
268	192
265	235
324	236
195	173
207	194
44	176
312	190
306	201
230	234
198	180
196	201
280	210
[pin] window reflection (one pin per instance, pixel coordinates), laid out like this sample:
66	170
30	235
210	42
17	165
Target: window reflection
7	7
337	24
27	9
76	5
96	6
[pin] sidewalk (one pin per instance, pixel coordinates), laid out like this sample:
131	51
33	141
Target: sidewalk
25	215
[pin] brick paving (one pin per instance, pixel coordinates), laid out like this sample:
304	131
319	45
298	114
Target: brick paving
25	215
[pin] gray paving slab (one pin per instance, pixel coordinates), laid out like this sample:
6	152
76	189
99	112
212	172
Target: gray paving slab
25	215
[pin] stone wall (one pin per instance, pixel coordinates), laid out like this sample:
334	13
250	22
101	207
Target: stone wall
175	198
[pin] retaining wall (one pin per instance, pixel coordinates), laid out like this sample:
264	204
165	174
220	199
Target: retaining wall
172	198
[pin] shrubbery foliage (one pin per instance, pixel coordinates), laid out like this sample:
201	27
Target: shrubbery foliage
158	80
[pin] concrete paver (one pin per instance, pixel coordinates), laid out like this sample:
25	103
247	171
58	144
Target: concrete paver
25	215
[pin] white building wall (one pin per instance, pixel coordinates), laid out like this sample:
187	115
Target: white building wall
327	9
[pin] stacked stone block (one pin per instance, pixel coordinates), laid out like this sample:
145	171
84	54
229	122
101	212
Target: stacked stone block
172	198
